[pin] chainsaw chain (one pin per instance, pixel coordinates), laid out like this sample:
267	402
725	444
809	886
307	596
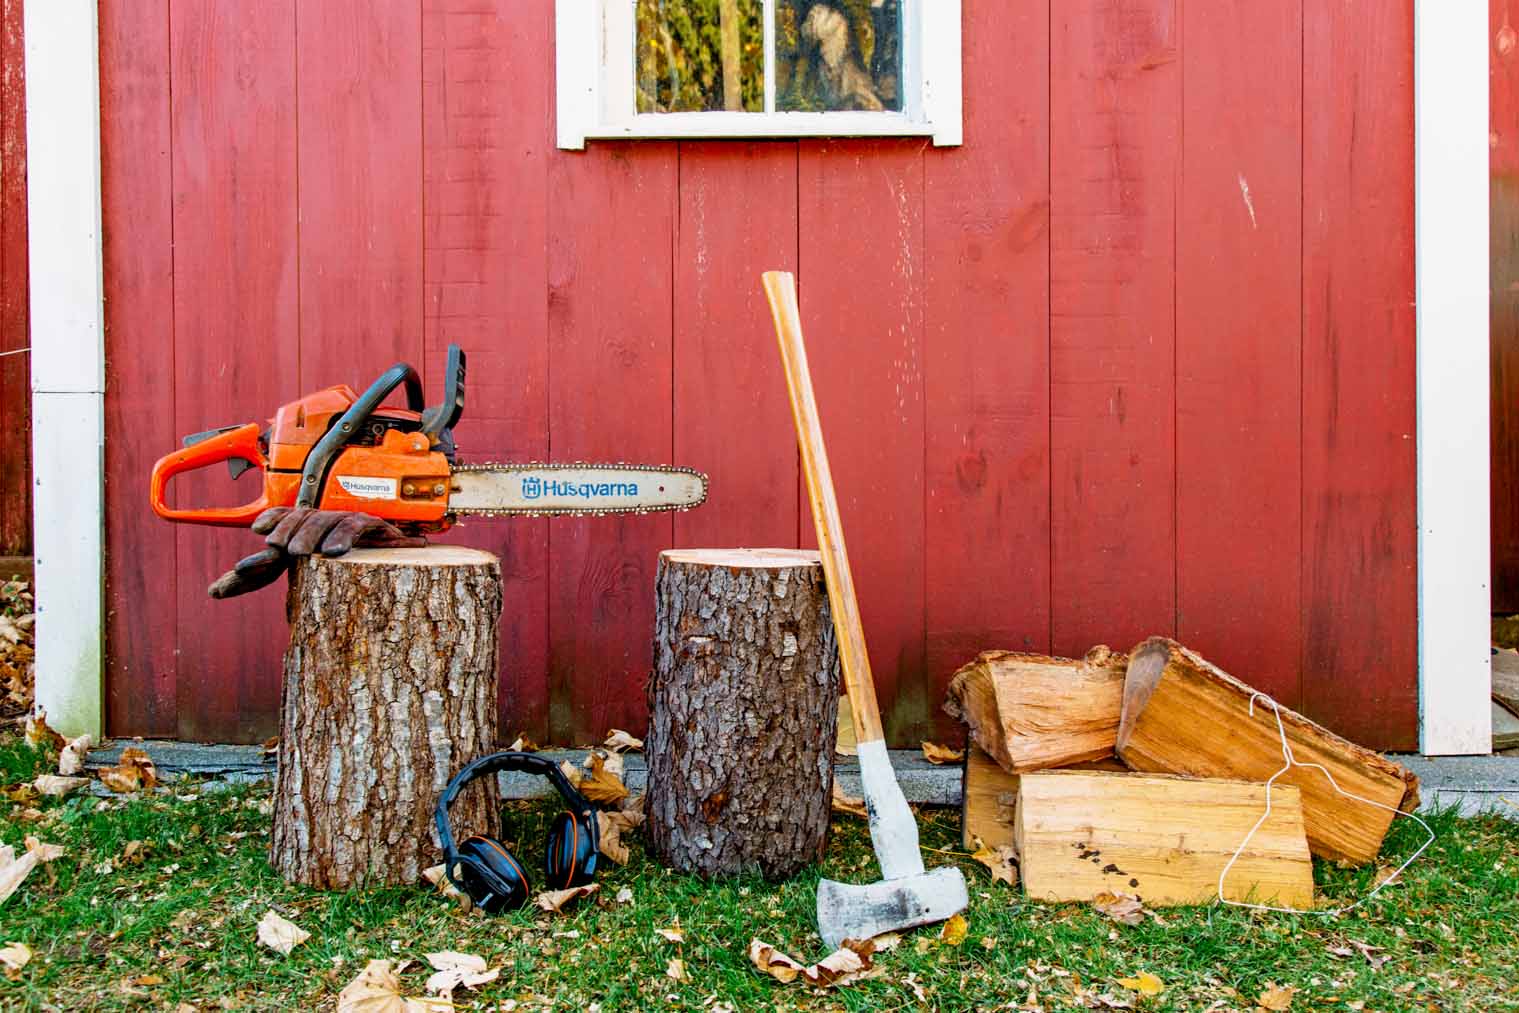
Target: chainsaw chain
570	465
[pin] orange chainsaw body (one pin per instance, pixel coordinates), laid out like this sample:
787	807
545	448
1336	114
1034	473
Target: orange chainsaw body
396	472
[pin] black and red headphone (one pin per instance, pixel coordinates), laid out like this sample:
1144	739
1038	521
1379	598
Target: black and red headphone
490	874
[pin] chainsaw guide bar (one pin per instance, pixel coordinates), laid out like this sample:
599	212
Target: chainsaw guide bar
572	489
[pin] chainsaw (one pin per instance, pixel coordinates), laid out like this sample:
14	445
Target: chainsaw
337	450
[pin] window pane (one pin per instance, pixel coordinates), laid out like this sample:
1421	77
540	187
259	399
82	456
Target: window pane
701	56
838	54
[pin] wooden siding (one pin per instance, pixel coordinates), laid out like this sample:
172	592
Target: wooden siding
1136	359
1503	209
15	370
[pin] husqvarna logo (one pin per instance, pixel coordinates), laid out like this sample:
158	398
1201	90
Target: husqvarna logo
532	487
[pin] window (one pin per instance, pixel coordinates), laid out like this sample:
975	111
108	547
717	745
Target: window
757	68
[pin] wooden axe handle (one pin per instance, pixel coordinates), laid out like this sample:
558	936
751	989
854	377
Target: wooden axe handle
780	287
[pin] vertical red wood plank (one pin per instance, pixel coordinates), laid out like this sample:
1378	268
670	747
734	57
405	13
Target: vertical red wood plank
1115	89
611	244
235	354
1503	311
1239	341
986	355
15	370
861	290
1360	587
487	91
360	142
732	413
142	574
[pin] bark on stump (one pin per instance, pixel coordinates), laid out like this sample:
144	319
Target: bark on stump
390	687
743	704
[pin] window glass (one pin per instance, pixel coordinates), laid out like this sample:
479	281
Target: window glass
701	56
836	55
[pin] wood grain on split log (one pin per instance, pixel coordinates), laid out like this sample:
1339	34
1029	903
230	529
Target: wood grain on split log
1161	838
989	797
1029	711
390	688
1183	715
743	701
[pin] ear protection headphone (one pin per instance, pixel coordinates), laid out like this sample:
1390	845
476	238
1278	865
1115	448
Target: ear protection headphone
486	871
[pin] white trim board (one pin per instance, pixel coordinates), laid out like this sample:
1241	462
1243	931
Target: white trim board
1451	226
68	358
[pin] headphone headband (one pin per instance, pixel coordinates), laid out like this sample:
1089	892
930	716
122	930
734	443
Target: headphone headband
526	763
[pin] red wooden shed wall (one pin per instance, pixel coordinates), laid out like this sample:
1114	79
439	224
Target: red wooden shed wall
1138	358
15	369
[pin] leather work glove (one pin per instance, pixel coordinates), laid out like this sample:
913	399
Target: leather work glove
301	531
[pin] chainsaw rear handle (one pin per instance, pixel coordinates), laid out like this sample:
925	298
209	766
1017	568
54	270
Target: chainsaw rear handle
240	443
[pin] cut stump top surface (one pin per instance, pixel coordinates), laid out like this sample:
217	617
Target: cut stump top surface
748	559
426	555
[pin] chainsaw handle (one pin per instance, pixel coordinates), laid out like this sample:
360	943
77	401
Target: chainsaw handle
241	443
319	460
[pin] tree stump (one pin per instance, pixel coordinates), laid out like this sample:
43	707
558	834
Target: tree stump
743	704
390	688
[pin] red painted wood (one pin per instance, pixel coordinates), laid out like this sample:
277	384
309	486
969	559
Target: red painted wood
861	291
1239	341
486	136
137	200
732	415
1116	79
611	246
986	542
1503	312
15	370
1360	534
359	112
234	330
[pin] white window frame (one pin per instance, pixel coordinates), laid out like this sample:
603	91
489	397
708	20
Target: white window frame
595	42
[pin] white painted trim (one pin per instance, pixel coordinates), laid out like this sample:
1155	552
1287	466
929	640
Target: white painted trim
1451	224
68	358
596	98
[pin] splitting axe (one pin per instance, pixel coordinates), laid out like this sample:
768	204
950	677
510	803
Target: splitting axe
906	895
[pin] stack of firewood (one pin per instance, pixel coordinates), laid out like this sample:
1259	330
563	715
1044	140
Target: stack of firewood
1144	773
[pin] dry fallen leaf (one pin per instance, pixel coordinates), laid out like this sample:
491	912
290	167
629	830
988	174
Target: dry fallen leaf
677	969
1145	984
39	735
455	969
847	804
280	935
523	744
71	756
1002	861
376	990
619	741
935	753
840	967
953	932
14	870
1276	998
571	773
557	900
624	896
134	772
13	957
610	826
601	784
56	784
1122	908
439	879
674	934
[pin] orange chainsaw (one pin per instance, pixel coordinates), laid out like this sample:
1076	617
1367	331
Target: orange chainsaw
337	450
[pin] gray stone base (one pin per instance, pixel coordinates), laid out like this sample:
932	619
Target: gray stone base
1472	783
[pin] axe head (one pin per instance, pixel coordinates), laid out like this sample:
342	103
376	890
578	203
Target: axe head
849	911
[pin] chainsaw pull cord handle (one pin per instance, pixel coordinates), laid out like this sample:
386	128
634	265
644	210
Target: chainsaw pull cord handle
319	461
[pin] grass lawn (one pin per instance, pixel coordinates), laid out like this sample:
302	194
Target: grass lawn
172	926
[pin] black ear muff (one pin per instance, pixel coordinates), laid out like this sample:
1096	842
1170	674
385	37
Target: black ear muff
491	875
570	857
